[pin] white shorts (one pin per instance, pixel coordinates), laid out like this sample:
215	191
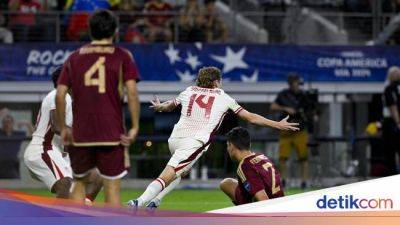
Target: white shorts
185	152
47	166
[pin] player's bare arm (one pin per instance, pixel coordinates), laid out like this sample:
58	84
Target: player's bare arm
262	121
55	126
167	106
65	133
261	195
134	108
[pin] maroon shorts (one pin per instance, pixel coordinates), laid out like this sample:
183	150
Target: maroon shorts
241	197
109	160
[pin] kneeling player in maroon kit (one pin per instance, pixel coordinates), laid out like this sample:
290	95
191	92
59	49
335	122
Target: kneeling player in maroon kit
258	178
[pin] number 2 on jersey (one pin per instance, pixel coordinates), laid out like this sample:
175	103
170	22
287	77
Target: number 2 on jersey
199	101
99	67
275	188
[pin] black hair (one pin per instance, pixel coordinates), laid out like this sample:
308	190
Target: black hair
55	75
239	137
293	77
102	24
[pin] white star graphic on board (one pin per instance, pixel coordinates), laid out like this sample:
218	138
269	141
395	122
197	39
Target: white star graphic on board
198	45
173	54
192	60
185	76
231	60
251	79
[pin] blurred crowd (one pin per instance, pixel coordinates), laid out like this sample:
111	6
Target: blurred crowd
141	21
147	21
11	139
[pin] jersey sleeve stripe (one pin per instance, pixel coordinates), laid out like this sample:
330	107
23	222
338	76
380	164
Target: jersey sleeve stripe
238	110
240	172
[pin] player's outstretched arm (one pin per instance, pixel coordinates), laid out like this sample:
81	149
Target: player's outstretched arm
66	135
261	121
134	108
167	106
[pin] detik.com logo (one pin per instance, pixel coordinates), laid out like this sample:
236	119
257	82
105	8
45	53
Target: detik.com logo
351	202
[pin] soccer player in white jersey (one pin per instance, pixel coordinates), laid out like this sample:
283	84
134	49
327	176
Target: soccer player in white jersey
203	109
45	156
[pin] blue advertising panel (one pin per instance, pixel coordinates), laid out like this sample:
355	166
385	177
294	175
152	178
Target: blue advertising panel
246	63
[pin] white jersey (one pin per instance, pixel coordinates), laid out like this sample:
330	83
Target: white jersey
203	110
43	134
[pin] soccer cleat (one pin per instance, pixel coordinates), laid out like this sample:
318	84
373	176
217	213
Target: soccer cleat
88	202
153	204
133	204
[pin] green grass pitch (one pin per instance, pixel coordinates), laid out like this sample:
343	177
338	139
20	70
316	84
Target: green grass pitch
194	200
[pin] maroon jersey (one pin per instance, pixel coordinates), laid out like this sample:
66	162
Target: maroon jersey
96	75
255	173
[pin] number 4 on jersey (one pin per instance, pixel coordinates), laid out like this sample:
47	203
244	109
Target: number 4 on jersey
99	67
200	102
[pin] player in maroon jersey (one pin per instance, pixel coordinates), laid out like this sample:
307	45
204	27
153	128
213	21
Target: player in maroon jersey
258	178
96	74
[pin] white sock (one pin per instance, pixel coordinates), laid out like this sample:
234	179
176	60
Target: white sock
151	191
168	189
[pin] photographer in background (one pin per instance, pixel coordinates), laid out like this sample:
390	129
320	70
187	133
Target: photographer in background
391	120
301	108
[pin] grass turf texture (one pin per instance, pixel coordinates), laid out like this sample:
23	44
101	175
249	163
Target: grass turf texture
194	200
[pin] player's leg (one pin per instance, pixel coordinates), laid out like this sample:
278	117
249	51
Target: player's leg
62	187
83	160
196	150
110	161
228	186
285	146
232	189
112	191
173	145
300	143
155	187
50	168
78	189
158	185
155	202
63	171
186	154
95	183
